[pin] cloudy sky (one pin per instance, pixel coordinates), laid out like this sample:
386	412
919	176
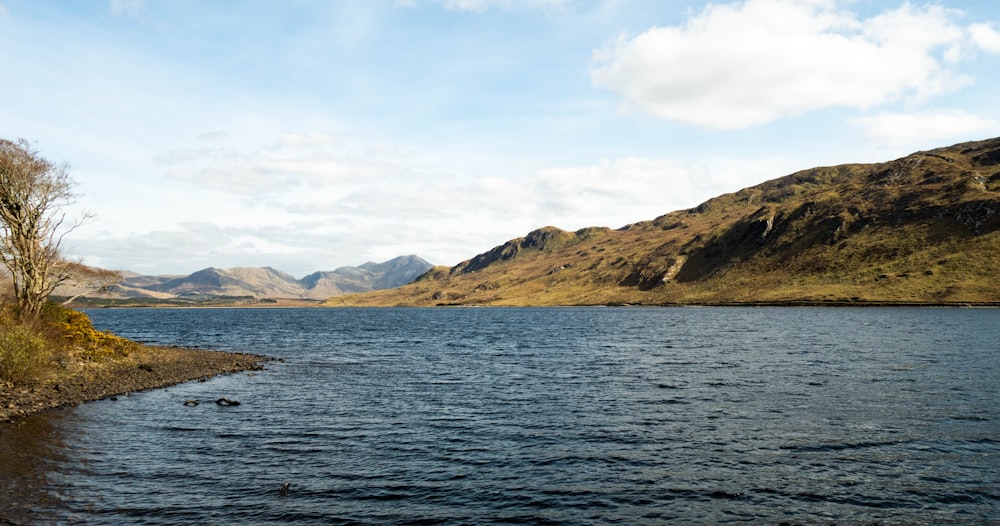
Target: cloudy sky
312	134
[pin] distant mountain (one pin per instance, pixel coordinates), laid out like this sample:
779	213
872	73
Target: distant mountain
269	283
923	229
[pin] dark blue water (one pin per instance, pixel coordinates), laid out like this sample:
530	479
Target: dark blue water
538	416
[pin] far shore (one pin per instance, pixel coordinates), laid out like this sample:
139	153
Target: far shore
86	303
260	303
143	369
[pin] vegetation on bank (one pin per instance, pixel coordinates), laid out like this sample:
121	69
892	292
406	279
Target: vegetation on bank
50	355
197	301
39	338
58	340
207	301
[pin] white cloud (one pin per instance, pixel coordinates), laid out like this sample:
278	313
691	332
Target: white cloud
480	6
748	63
191	246
289	167
926	128
623	191
303	201
468	5
126	7
985	37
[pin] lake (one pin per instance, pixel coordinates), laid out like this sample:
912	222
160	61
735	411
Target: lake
536	416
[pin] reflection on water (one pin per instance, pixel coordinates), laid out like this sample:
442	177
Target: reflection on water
30	449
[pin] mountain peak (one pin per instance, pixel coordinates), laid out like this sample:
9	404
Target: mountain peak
270	283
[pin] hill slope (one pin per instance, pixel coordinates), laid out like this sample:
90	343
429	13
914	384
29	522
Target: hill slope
921	229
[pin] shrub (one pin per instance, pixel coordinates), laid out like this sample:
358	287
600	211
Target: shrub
23	354
96	344
79	332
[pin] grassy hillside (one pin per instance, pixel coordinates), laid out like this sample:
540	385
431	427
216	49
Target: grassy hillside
921	229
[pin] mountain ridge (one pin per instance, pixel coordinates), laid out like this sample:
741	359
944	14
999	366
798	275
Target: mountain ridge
270	283
921	229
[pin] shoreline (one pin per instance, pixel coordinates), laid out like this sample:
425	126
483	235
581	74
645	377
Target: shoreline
149	367
772	303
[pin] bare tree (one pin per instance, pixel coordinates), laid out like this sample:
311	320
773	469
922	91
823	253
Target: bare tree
85	280
33	192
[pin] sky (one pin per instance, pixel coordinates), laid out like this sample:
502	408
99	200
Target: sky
307	135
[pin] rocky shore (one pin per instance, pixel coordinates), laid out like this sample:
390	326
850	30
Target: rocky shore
143	369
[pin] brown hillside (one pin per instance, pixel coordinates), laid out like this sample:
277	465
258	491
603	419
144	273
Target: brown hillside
921	229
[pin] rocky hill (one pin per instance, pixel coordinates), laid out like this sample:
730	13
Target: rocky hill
922	229
269	283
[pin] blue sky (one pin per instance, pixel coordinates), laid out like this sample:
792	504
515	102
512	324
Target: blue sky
308	135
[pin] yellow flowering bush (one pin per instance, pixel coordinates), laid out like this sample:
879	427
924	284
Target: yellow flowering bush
80	333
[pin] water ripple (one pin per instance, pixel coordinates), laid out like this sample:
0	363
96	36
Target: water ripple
541	416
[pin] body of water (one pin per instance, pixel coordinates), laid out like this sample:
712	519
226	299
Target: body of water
536	416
